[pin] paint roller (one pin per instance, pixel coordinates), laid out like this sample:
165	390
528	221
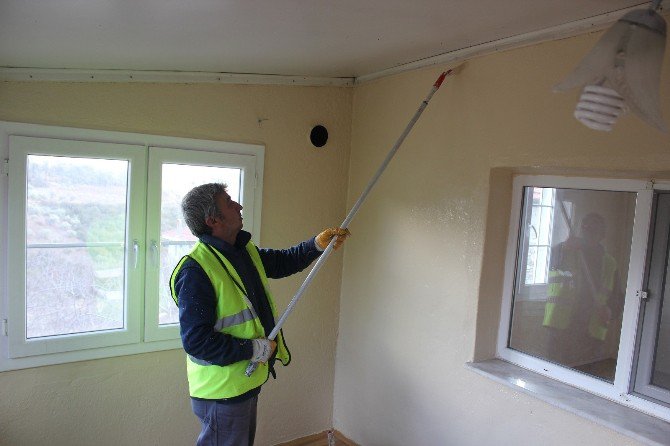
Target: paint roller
326	253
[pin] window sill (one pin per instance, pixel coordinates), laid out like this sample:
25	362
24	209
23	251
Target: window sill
637	425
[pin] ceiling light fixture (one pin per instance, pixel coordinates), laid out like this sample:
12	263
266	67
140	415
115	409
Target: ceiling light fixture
622	72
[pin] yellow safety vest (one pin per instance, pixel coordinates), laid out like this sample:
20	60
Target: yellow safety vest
236	317
562	298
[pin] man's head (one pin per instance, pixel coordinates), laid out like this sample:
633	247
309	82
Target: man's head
208	209
593	227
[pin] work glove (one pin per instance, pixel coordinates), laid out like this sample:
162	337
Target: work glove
263	349
326	236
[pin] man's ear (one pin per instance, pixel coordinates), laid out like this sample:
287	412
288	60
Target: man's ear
211	221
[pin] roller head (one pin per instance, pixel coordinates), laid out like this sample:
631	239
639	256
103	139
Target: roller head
449	72
440	79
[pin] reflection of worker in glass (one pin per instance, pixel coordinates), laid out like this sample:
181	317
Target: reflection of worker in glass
580	296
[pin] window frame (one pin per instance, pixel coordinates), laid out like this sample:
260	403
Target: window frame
621	389
20	148
145	338
656	281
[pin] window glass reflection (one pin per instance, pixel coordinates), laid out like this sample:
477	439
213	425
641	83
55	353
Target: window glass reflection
570	280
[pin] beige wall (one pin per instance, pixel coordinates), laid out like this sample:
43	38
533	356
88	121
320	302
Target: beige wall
143	399
418	290
421	272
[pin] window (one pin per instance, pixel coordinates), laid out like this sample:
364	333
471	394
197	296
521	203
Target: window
581	302
94	229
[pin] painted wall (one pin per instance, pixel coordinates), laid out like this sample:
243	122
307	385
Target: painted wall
421	281
143	399
420	290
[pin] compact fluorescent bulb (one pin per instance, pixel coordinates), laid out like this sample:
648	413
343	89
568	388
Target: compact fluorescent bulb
622	72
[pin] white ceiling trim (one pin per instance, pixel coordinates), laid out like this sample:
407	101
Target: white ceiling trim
72	75
566	30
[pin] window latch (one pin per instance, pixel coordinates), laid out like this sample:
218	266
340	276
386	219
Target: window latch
4	327
641	294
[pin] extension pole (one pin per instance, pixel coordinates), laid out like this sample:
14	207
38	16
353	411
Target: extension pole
326	253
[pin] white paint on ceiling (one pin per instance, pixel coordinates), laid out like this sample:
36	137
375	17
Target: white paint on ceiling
313	38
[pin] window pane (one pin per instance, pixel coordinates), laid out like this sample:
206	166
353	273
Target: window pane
545	225
574	318
536	195
534	232
531	265
73	290
541	265
547	196
539	233
75	232
176	239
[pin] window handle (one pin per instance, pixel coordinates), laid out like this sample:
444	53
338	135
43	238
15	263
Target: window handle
136	253
154	253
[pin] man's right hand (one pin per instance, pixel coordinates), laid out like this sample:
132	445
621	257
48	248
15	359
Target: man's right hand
263	350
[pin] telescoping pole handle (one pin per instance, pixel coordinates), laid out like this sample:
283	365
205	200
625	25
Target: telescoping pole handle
354	210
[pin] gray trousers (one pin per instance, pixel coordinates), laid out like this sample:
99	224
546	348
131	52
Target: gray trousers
226	424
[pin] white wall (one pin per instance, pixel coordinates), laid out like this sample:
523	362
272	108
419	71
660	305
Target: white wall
422	270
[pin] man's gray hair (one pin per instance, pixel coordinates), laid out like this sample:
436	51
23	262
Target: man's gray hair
199	204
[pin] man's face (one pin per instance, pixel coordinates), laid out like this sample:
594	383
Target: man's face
593	229
229	221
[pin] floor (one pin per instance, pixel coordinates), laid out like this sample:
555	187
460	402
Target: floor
326	438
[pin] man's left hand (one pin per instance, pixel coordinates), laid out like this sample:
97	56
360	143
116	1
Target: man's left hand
323	239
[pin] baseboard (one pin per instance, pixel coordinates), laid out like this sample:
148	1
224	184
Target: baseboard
320	439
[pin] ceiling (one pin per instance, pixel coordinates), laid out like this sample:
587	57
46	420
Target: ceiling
313	38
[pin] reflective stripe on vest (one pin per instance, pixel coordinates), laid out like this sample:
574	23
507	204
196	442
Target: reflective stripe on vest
235	317
199	361
239	318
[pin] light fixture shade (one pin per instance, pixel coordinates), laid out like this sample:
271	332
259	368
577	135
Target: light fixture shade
628	59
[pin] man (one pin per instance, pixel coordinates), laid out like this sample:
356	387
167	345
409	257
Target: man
583	296
226	312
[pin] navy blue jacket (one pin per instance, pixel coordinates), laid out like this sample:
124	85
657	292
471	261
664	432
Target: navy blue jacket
197	299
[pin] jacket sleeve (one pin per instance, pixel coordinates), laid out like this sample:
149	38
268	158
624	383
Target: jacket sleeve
197	317
280	263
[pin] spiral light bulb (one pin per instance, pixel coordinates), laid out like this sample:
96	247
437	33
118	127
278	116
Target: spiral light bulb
599	107
622	72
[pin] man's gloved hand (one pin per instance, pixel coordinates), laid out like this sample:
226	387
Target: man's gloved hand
263	349
326	236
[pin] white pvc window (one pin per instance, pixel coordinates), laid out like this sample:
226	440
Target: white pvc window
69	226
573	311
94	229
